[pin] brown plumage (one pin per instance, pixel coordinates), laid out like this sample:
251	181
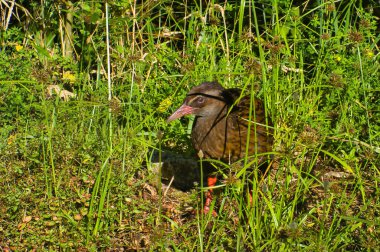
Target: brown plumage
223	124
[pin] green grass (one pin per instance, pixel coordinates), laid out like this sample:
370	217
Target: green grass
80	174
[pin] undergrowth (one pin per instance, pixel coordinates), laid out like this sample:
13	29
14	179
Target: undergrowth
79	170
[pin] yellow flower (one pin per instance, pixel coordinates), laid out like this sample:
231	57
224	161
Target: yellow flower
337	58
11	139
18	47
164	105
68	76
369	53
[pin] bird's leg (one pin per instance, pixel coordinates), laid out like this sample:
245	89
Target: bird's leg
211	182
250	196
250	192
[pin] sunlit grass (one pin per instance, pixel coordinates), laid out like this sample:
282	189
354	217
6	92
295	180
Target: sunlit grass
79	173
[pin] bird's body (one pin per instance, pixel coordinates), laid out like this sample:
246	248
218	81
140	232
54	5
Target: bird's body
224	135
226	126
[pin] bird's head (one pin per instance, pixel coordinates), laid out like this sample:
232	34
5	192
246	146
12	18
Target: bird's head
202	101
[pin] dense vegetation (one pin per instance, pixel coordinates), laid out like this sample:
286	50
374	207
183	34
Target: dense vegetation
86	87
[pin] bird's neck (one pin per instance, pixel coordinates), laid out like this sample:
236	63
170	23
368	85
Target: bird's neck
205	126
213	118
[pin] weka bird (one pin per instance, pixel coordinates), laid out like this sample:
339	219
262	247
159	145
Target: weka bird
223	124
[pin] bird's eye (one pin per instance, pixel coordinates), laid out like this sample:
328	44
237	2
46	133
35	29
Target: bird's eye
200	99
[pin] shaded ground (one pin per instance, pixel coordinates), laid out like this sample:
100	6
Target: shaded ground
332	200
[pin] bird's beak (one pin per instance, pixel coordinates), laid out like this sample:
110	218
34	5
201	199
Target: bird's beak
181	111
